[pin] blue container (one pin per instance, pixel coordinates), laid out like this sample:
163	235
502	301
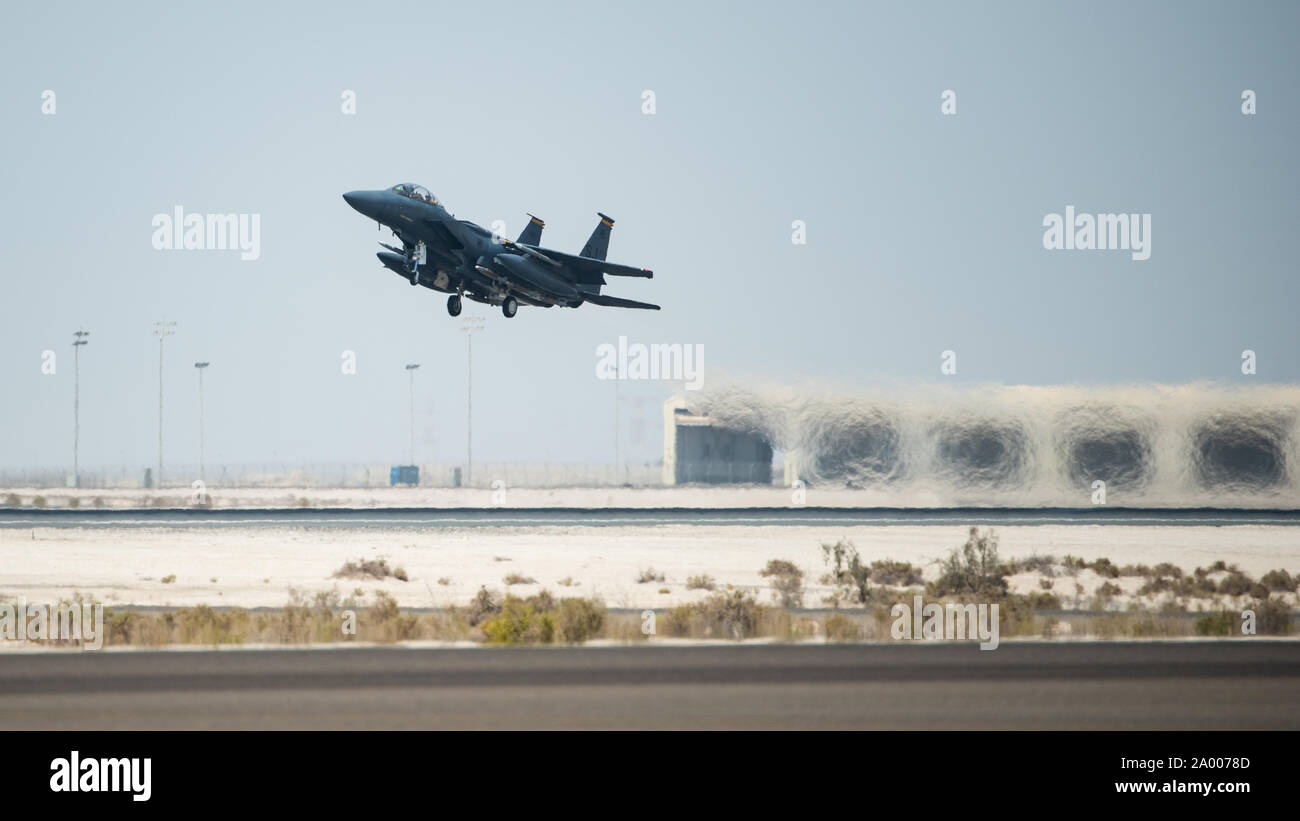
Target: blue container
404	475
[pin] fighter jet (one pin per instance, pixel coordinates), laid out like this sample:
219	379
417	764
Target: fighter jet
462	259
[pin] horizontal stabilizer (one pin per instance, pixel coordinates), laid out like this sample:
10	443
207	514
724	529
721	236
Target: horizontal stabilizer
588	269
615	302
625	270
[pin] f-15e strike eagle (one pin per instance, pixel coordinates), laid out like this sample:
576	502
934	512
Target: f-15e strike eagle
460	258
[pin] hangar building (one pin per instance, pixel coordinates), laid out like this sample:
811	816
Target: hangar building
698	450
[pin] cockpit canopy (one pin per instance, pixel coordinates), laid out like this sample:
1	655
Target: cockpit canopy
415	192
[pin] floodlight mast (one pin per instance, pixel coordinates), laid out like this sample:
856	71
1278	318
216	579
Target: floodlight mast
200	367
469	325
78	339
161	329
410	369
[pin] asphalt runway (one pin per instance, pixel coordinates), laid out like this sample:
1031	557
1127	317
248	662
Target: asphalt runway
1229	684
623	517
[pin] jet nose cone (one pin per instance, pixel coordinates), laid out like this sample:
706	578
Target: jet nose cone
370	204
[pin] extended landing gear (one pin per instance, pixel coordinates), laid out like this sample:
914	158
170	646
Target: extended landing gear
418	256
510	307
453	304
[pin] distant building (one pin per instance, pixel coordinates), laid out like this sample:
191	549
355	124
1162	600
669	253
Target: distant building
696	449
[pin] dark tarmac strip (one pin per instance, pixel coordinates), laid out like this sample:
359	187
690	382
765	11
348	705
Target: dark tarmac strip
1229	684
623	517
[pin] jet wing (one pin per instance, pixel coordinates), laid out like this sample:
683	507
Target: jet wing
615	302
448	237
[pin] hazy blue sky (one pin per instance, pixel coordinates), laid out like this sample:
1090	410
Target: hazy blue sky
924	231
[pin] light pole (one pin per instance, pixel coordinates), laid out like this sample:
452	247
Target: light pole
161	329
469	325
200	367
79	339
410	369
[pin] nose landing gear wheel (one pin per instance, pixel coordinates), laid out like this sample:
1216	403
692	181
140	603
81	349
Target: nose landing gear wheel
509	307
453	305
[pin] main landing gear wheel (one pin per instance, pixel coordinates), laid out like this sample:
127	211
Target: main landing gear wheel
509	307
453	304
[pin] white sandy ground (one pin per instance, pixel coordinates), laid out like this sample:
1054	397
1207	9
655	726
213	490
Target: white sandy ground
256	567
689	496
